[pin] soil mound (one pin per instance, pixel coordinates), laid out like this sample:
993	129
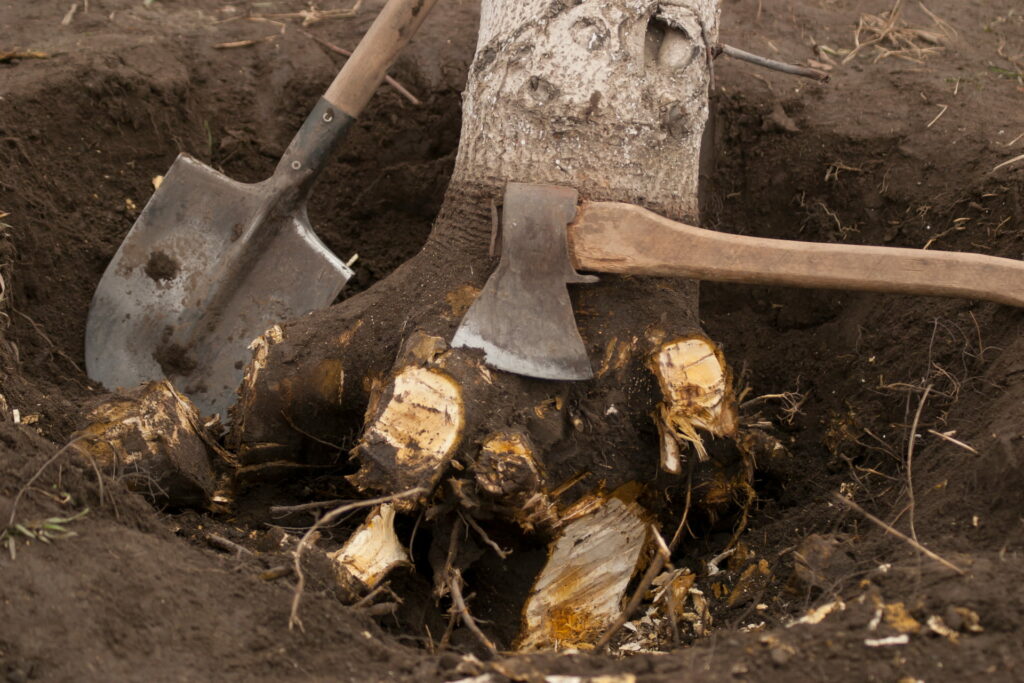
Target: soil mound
871	394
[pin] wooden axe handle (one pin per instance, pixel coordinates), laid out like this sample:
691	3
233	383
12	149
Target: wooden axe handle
610	237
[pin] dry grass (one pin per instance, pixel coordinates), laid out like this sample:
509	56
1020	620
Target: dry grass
890	35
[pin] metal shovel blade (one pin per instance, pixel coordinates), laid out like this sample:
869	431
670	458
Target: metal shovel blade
209	265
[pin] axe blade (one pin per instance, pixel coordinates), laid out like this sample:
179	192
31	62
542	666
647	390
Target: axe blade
523	319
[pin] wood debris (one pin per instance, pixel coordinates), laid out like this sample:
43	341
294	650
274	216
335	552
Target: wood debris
244	43
590	563
10	55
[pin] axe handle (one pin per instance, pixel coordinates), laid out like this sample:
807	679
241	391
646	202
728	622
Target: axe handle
611	237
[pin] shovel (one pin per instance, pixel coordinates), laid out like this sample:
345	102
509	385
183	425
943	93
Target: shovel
211	263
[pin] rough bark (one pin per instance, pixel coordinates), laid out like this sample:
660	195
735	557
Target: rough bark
609	97
606	96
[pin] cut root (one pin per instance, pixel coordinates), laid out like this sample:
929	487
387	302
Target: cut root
415	423
370	553
512	482
153	440
580	590
258	440
697	395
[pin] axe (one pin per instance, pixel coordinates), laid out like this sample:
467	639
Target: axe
523	319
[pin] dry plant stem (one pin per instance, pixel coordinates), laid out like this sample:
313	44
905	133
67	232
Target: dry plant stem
455	585
501	552
652	572
898	534
292	424
220	543
792	69
39	472
388	79
293	617
1007	163
315	505
955	442
910	458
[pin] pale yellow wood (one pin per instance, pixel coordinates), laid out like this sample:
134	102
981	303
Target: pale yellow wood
611	237
365	69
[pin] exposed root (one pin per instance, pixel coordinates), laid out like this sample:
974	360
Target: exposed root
370	553
156	431
579	591
414	423
510	479
454	582
312	532
697	389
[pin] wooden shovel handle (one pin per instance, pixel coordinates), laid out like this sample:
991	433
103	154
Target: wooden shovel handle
621	238
365	69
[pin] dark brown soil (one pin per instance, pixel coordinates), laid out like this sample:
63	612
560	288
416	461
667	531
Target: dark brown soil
140	594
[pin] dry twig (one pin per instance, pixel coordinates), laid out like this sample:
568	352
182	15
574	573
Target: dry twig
772	64
244	43
1007	163
402	90
70	15
304	507
454	580
957	442
910	457
309	16
898	534
906	43
942	110
11	55
657	564
220	543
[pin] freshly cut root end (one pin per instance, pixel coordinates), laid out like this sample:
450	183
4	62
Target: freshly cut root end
417	425
509	477
697	390
154	440
580	590
370	553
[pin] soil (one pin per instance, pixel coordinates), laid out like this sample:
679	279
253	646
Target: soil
899	149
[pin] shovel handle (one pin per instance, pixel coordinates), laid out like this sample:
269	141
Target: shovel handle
611	237
365	69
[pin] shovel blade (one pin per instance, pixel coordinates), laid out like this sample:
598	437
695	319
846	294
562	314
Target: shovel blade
205	269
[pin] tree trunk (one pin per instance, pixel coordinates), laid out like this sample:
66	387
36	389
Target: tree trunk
607	96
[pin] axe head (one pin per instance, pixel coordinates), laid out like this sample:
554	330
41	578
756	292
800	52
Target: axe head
523	320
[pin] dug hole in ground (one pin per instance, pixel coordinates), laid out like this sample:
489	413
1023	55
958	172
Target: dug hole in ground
863	521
